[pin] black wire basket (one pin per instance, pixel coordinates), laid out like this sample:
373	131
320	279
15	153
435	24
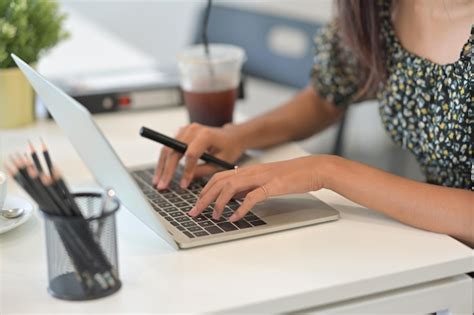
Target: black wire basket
82	251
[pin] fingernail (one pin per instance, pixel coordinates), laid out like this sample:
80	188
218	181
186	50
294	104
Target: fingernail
161	184
192	212
155	180
184	183
232	218
215	216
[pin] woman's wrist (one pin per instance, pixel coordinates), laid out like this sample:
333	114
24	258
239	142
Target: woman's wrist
326	169
240	134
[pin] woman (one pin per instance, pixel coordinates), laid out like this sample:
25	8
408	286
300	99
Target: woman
415	58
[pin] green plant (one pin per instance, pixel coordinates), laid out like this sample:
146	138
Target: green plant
28	28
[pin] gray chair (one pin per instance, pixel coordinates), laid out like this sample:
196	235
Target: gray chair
252	31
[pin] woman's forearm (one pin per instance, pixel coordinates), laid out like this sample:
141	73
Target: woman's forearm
300	118
430	207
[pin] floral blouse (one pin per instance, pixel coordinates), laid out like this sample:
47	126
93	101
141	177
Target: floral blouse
425	107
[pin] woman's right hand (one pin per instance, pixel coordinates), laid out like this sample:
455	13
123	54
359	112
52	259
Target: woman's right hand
223	143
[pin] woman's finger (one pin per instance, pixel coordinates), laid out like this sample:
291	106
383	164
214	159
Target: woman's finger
257	195
231	188
204	201
161	165
214	179
195	149
172	160
169	169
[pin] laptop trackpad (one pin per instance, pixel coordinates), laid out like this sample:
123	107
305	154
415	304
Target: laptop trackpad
292	208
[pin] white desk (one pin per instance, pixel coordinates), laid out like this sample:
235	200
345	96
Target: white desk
363	262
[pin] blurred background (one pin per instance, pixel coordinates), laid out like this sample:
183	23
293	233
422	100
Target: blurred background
153	32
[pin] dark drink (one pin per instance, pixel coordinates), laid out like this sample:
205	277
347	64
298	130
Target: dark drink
209	79
211	108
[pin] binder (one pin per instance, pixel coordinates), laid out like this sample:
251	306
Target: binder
128	89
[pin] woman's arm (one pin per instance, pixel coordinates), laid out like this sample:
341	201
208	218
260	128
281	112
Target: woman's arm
299	118
304	115
429	207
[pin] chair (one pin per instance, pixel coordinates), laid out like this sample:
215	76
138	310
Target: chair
269	41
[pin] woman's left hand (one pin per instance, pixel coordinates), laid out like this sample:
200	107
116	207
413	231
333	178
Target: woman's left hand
258	182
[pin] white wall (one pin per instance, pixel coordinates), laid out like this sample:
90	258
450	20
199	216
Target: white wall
161	28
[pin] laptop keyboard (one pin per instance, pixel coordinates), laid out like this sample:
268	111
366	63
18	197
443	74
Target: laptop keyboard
174	203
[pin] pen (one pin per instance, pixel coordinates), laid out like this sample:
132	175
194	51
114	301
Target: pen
181	147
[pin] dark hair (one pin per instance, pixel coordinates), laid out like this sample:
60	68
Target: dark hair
359	25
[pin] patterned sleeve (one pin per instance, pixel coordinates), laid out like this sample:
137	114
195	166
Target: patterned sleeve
334	74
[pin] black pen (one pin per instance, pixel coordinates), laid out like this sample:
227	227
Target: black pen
181	147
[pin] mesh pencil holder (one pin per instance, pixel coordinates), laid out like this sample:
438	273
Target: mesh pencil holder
82	251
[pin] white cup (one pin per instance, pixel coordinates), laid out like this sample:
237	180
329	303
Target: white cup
3	188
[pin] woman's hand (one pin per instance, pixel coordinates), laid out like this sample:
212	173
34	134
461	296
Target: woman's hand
223	143
258	182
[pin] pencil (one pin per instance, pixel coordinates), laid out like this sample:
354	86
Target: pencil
20	180
35	158
61	186
47	158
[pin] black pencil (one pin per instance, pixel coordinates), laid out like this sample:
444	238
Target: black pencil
60	184
35	158
182	147
20	180
47	158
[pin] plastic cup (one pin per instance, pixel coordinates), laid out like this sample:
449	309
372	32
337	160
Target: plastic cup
210	82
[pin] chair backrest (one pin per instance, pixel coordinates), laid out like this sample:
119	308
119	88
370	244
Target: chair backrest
278	48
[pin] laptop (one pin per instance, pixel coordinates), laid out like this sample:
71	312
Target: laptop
165	212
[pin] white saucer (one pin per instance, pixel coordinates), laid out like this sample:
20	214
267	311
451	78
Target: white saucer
15	202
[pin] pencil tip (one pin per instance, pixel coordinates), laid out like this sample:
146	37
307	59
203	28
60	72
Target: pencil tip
30	145
43	144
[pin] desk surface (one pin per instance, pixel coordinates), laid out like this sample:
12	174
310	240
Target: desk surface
362	253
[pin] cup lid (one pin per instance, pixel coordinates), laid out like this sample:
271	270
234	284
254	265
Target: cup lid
218	53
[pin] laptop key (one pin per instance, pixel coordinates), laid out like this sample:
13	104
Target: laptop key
251	217
194	229
227	226
188	224
188	234
206	223
201	233
241	224
179	227
182	219
208	211
164	204
168	219
180	205
174	223
175	214
258	222
199	218
213	230
233	204
169	209
167	195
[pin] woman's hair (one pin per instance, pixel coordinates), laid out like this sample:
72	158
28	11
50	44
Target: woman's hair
359	25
